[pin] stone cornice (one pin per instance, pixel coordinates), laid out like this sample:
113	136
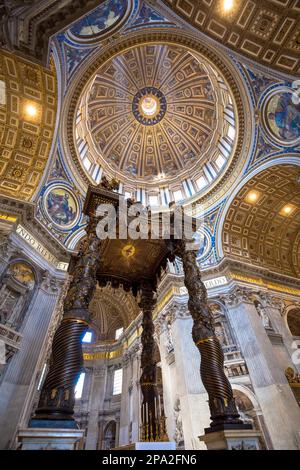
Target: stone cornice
236	270
25	214
39	23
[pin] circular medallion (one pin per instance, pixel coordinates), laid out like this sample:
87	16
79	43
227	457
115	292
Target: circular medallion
281	117
204	242
149	106
61	206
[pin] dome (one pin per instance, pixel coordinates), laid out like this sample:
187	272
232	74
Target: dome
160	119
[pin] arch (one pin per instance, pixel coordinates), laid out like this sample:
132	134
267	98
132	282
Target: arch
293	320
260	232
109	435
280	160
111	309
248	393
250	411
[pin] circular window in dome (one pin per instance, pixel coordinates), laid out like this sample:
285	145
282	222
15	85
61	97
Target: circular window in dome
102	20
149	106
281	116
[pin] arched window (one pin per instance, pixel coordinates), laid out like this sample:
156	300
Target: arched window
87	337
79	386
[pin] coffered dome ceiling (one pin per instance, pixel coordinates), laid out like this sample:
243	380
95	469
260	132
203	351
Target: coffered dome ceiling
159	118
262	223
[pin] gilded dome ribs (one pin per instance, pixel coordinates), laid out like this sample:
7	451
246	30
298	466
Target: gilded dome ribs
127	149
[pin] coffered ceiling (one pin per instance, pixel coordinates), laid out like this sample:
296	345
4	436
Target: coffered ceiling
267	31
112	309
262	225
28	101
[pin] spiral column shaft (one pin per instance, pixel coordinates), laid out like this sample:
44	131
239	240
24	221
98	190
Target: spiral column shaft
221	401
57	396
148	380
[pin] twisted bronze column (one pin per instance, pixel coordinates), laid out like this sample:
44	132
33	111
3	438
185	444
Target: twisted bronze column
150	406
57	395
221	402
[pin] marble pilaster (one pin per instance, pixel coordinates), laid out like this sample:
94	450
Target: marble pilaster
96	403
280	410
21	370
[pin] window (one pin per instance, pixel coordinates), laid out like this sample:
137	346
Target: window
119	332
177	195
231	132
86	163
87	337
220	161
42	377
79	386
153	200
201	182
118	377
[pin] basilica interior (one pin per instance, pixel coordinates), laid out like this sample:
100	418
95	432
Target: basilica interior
172	104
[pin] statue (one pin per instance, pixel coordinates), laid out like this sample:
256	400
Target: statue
169	339
242	409
262	313
178	435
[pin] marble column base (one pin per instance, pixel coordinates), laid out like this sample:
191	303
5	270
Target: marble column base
232	439
50	439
